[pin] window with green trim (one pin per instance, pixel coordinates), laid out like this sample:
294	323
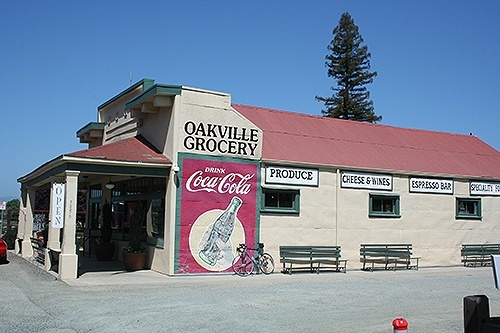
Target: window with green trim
280	201
468	208
383	205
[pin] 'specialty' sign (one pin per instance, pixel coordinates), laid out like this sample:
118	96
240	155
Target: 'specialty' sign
484	188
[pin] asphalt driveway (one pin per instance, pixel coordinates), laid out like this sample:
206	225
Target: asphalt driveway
116	301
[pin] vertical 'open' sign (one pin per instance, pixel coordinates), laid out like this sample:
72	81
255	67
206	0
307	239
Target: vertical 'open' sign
58	190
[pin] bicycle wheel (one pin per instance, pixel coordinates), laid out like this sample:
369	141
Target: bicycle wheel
266	263
242	265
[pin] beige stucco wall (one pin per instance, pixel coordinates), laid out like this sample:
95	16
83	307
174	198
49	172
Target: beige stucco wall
199	106
329	214
315	225
339	216
166	130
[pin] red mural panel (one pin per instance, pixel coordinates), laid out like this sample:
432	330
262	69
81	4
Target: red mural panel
217	212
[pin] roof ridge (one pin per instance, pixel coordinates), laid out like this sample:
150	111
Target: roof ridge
375	143
361	123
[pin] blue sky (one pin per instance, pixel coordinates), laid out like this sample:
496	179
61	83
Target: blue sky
437	63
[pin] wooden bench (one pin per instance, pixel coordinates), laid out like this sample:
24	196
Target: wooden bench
38	250
474	254
312	258
389	255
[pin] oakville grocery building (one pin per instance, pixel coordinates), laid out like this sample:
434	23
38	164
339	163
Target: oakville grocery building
176	159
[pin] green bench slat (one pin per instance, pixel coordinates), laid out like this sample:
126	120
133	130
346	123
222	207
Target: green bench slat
387	254
308	256
474	254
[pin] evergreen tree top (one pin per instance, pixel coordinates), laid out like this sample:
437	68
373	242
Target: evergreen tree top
348	63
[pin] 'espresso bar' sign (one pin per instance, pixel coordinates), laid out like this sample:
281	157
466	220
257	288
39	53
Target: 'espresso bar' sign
291	176
423	185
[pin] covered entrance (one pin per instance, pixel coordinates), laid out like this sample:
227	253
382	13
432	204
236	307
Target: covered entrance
82	188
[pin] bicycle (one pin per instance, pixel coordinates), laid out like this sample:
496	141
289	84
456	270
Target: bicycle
245	263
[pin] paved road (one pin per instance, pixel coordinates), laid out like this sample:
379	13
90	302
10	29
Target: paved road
430	299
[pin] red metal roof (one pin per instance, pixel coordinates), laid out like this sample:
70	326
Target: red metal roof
135	149
295	137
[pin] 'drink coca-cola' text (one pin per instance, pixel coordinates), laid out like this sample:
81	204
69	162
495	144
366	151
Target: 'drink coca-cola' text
232	183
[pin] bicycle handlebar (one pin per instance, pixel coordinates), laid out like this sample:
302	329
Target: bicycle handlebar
242	246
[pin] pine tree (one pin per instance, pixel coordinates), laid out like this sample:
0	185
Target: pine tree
349	64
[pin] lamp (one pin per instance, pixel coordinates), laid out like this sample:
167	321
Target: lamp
109	185
175	168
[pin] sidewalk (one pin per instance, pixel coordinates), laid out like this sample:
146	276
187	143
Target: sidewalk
112	300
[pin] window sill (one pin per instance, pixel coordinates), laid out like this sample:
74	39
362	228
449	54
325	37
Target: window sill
385	216
279	211
468	217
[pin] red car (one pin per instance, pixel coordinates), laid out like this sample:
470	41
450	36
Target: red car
3	251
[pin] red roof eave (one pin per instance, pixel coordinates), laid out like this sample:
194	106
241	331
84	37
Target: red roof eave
136	149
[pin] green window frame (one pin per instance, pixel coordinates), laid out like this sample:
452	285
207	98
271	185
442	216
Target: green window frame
384	205
280	201
468	208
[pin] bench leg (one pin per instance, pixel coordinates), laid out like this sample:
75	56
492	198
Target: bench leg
343	269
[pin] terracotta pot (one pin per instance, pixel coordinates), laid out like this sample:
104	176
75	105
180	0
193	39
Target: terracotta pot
134	261
105	252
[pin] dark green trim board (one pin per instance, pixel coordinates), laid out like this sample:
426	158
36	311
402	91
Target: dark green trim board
157	89
146	84
98	169
89	127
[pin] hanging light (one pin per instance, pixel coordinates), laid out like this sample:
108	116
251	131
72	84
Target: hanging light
109	185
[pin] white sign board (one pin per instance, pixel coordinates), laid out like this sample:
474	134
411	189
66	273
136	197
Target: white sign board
495	259
483	188
423	185
3	205
57	209
291	176
370	181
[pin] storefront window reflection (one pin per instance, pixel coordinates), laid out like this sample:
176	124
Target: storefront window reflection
469	208
285	201
384	205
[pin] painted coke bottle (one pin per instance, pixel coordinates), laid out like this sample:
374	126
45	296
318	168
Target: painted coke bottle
215	240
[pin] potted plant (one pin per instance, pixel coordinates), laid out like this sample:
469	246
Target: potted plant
134	255
105	248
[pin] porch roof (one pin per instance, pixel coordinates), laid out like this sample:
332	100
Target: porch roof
129	157
136	149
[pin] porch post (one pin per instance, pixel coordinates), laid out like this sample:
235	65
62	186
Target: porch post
22	221
29	207
68	260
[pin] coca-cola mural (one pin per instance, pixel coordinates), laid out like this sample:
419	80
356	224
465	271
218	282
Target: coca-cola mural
218	210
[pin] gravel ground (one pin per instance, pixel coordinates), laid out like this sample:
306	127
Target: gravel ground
431	299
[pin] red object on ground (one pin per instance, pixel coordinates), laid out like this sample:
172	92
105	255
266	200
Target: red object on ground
400	325
3	251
